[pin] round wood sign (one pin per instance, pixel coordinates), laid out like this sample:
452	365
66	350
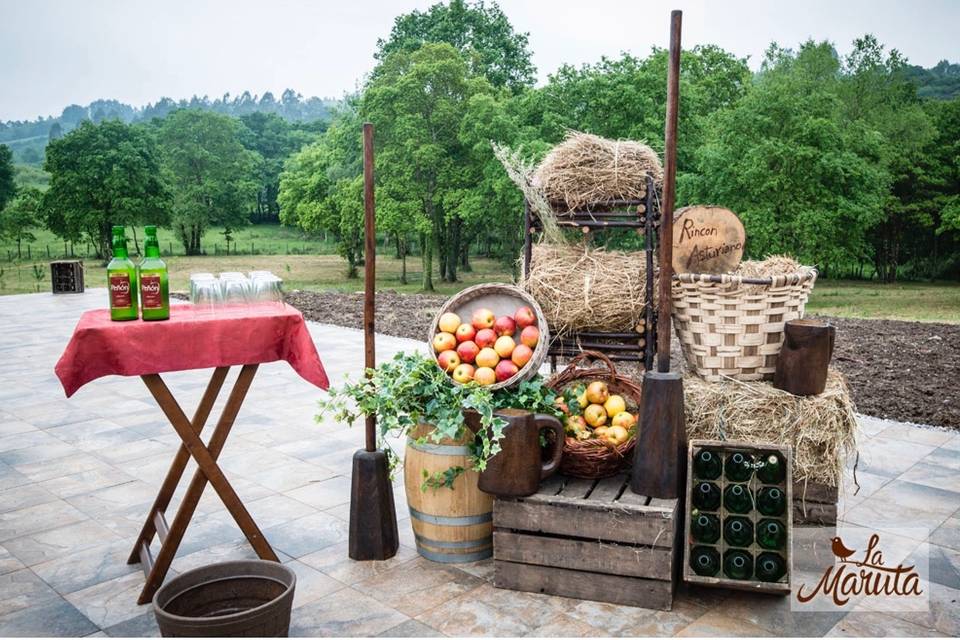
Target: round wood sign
707	239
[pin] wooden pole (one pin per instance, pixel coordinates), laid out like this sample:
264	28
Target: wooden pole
669	195
369	271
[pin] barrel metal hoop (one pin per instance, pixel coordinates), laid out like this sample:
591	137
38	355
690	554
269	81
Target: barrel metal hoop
464	544
455	558
439	449
450	520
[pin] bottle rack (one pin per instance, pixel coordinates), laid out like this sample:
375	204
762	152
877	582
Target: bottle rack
643	216
759	452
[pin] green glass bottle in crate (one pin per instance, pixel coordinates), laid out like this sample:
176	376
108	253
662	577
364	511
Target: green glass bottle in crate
737	564
738	531
705	561
704	527
771	534
706	496
772	469
738	467
770	567
707	465
737	498
771	501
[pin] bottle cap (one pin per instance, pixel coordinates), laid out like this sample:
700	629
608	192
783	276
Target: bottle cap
117	230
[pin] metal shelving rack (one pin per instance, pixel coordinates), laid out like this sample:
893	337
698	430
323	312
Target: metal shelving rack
642	215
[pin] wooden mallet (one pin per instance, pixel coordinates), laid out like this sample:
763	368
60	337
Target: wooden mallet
373	515
658	469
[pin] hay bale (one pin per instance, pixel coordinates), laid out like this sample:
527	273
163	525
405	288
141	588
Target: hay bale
586	169
583	288
777	265
821	429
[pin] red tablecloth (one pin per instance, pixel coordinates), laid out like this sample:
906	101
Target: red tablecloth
188	340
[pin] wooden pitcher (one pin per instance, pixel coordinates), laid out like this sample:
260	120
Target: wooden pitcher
518	468
805	356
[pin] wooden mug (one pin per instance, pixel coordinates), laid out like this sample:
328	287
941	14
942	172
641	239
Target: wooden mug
804	357
518	468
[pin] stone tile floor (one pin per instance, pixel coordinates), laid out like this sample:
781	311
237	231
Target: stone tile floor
78	476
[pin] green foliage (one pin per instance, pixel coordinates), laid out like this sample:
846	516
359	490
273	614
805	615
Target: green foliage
411	390
480	32
101	175
210	173
20	217
8	187
26	176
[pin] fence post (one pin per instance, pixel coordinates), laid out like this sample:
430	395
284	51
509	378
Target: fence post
170	248
48	252
29	253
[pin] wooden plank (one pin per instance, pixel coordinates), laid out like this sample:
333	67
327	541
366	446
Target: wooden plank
608	489
814	492
551	486
814	513
577	488
584	555
146	558
160	522
585	519
636	592
631	498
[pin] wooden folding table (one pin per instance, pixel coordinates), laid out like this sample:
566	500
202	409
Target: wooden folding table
245	336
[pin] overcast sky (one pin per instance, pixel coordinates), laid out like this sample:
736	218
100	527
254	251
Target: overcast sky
53	53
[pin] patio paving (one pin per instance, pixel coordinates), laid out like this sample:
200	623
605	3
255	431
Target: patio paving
77	476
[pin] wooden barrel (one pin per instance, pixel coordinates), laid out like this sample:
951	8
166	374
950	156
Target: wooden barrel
450	525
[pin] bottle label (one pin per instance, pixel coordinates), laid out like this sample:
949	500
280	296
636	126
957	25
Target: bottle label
150	297
120	291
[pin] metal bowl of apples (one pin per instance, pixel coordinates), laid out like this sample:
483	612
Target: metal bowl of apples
492	334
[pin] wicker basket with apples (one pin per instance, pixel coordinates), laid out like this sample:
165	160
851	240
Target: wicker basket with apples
491	334
601	408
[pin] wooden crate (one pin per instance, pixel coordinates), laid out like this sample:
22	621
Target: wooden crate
725	447
588	539
66	276
814	503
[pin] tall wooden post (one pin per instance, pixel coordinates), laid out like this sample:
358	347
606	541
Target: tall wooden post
373	514
658	468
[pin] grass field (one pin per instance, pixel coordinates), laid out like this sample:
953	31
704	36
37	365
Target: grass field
306	263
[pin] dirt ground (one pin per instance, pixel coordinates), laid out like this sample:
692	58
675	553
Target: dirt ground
900	370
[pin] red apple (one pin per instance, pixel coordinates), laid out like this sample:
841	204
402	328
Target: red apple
449	322
524	317
468	351
505	370
464	373
530	336
465	332
485	338
444	341
448	360
504	326
521	355
483	319
487	358
484	376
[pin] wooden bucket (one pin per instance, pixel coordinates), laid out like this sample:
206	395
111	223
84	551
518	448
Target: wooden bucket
450	525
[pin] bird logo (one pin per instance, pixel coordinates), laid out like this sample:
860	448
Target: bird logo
840	550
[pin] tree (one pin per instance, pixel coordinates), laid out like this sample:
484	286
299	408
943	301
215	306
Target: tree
101	175
480	32
8	187
21	216
804	178
418	101
211	174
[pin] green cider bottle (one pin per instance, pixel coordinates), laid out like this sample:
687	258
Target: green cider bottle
737	498
705	561
772	469
771	534
706	496
738	531
704	527
707	465
771	501
770	567
739	467
737	564
122	279
154	283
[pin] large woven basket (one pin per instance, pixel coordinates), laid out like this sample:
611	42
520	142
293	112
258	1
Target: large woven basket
732	326
595	458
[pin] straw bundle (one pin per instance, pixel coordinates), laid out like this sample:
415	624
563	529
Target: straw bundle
586	169
770	266
583	288
820	428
